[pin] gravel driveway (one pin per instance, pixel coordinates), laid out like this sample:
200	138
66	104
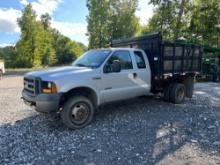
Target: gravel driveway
144	130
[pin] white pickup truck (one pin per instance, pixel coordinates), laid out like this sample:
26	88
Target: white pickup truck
2	68
98	77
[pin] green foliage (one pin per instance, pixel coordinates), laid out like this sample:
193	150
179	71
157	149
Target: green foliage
8	55
39	44
211	60
165	18
205	22
35	45
98	23
110	20
197	21
45	19
66	50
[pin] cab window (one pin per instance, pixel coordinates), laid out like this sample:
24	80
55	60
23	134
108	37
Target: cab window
124	58
140	59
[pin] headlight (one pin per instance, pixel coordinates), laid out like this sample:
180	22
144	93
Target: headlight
48	87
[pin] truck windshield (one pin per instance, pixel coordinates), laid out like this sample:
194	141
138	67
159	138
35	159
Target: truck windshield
93	59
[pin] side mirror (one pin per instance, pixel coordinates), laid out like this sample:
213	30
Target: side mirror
107	68
114	67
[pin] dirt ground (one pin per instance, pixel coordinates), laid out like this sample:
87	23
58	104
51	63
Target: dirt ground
143	130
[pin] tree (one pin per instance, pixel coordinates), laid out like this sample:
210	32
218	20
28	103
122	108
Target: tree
35	45
98	22
197	21
124	23
204	23
49	54
179	18
8	55
45	19
39	44
108	20
84	48
164	18
26	46
66	50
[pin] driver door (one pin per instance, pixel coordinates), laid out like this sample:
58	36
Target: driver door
120	85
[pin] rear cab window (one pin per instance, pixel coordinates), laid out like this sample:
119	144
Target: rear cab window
139	57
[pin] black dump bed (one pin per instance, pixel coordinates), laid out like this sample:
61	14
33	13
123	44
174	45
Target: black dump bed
166	58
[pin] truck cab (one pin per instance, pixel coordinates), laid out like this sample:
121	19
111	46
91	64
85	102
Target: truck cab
97	77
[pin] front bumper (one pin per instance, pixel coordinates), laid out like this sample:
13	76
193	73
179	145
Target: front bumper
46	103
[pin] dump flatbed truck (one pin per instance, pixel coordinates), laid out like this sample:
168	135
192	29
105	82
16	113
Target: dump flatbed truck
132	67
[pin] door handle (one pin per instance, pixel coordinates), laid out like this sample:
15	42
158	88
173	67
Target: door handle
135	75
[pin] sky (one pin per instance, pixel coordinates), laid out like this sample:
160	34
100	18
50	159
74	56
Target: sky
68	17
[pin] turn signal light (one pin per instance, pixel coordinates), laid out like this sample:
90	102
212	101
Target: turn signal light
50	88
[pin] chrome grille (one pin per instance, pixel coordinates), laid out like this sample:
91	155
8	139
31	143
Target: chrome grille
31	86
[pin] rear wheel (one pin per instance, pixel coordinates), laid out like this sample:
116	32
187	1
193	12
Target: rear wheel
166	94
77	112
177	93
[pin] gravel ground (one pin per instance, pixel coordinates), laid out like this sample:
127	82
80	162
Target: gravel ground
144	130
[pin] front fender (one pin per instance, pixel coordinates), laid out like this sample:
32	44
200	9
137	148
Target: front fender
68	88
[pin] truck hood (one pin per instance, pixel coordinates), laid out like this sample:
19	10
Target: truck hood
57	73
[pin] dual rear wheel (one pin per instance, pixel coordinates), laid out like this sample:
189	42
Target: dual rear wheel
175	93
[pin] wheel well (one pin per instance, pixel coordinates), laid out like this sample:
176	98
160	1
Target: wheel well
85	91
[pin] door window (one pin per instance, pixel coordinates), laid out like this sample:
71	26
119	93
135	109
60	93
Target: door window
124	58
140	59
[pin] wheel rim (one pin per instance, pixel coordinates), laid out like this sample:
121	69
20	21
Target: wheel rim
181	93
80	113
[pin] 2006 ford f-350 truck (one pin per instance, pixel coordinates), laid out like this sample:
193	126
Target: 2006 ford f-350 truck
135	67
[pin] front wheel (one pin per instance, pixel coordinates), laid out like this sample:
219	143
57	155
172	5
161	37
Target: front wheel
77	112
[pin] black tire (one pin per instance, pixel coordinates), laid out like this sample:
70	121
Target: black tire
70	119
189	85
177	93
166	94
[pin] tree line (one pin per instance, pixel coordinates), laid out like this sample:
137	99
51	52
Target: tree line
196	21
39	44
